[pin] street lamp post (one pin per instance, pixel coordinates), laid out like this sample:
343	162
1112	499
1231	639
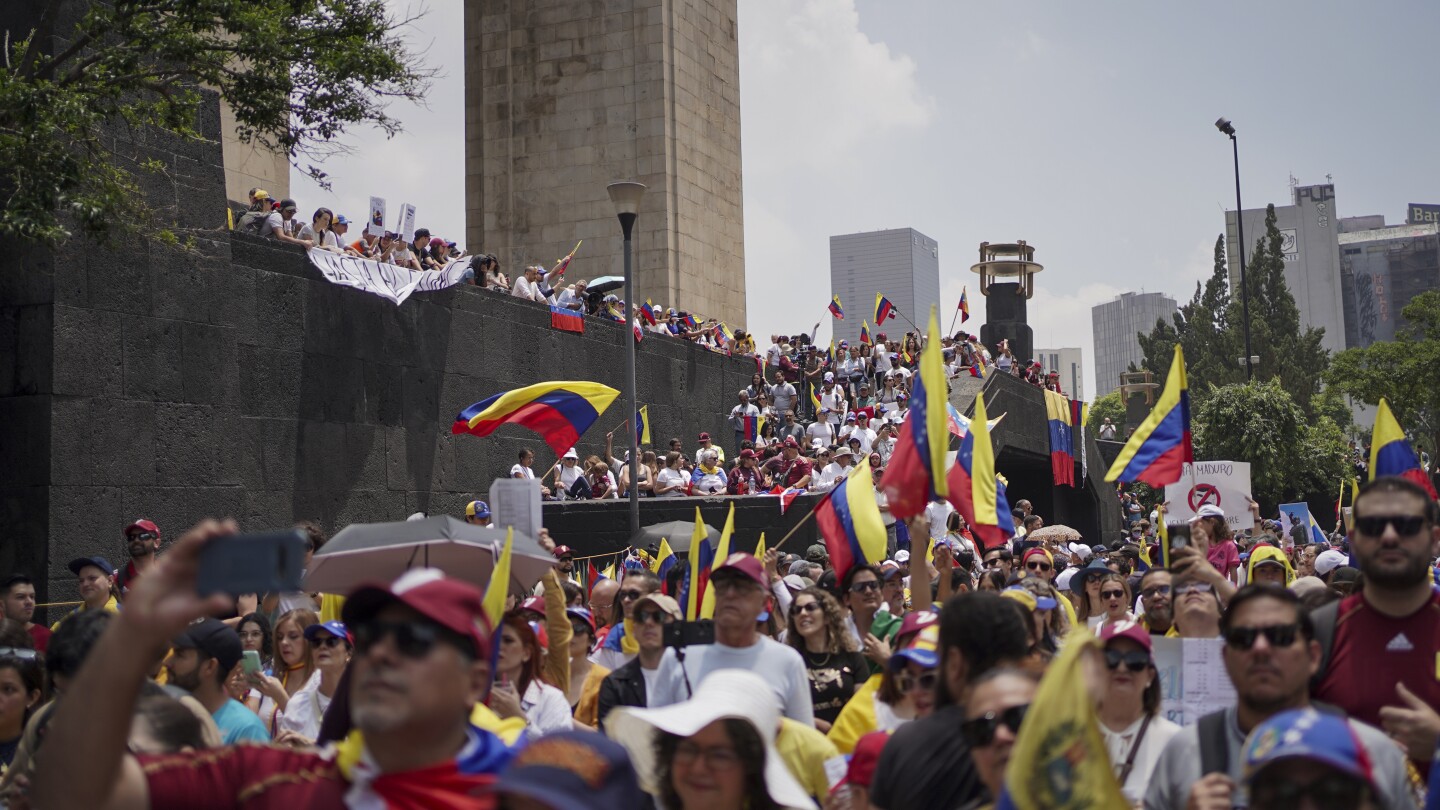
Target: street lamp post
626	197
1229	129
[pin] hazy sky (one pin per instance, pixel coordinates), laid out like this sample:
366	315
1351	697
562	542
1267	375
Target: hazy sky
1084	128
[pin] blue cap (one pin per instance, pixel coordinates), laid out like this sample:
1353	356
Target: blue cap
573	770
478	509
1307	734
1045	603
333	627
341	220
97	561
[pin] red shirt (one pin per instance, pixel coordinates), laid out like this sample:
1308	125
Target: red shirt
1373	652
41	636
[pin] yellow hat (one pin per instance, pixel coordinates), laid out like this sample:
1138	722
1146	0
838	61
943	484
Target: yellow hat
261	194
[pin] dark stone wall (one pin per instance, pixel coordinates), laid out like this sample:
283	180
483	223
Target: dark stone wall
602	527
233	380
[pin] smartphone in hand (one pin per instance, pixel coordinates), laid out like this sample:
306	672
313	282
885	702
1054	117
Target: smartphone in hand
262	562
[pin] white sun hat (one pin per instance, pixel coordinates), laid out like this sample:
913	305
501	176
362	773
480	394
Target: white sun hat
726	694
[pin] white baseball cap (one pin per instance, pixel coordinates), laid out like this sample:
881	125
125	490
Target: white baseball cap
1081	549
1329	560
902	556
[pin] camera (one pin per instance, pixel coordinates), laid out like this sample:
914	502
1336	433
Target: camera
689	634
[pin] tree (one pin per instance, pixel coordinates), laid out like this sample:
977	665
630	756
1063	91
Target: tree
1201	327
1292	458
1403	371
298	74
1109	407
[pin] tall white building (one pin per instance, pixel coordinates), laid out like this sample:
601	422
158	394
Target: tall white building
1068	364
1116	324
901	264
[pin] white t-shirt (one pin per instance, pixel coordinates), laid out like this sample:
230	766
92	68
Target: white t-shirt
779	664
546	710
521	471
568	297
938	512
1118	744
669	477
274	223
821	430
567	476
782	396
834	399
326	238
523	288
882	358
305	710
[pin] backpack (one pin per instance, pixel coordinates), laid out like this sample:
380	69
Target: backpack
253	223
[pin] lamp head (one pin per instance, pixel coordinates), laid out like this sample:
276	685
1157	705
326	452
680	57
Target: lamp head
626	196
1225	126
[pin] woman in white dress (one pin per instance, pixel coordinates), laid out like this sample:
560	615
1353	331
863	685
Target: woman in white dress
1131	721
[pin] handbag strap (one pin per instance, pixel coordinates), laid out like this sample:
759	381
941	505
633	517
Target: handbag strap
1134	749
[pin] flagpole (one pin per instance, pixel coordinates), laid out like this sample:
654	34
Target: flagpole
802	522
951	330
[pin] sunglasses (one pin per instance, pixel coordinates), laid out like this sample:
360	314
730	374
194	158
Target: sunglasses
328	641
1276	635
808	607
643	616
908	683
993	561
1330	792
412	639
1037	566
1155	590
862	587
1374	525
152	535
631	595
1112	594
1135	660
980	731
1192	587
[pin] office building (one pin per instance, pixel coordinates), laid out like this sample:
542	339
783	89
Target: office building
1309	227
1067	363
1116	324
901	264
1383	267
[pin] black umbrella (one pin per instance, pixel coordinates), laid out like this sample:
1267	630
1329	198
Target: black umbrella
677	533
364	552
604	284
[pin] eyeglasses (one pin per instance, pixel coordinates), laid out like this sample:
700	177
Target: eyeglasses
594	608
1037	566
980	731
862	587
631	595
1155	590
1193	587
412	639
1112	594
1330	792
909	683
656	616
716	759
23	653
1374	525
1135	660
328	641
1276	635
733	584
808	607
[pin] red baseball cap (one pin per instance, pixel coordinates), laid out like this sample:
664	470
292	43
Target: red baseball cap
457	606
865	759
1130	630
745	564
704	437
563	551
534	604
143	525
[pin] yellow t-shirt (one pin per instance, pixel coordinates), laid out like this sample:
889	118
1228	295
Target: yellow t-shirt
110	605
587	710
812	758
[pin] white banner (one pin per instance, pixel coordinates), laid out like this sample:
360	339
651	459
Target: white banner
388	281
376	224
407	223
1225	484
1193	681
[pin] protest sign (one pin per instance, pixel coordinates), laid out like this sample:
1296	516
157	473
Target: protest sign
1193	681
516	502
391	282
407	223
376	224
1225	484
1298	514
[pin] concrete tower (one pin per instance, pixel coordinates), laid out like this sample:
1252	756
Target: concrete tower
1005	316
565	96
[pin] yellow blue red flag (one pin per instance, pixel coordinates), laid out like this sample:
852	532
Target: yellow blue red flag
702	554
915	475
1160	448
849	520
1062	441
722	553
559	411
975	489
1391	453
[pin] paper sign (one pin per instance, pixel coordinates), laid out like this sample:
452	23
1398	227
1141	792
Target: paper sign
1193	680
516	502
376	225
1297	514
391	282
407	223
1222	483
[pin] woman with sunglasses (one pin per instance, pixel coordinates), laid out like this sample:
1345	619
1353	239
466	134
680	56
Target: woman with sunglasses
1051	626
1115	599
299	722
832	659
994	709
902	691
1131	722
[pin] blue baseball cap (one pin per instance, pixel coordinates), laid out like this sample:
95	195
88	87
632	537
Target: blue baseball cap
478	509
923	644
341	220
99	562
333	627
1045	603
1307	734
573	770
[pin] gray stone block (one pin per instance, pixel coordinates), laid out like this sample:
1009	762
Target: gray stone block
115	279
88	352
152	356
279	310
269	381
209	362
103	442
265	452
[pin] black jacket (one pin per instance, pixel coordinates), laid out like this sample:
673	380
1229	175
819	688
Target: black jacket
622	687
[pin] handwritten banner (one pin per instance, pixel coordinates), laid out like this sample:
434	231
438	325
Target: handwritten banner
388	281
1219	483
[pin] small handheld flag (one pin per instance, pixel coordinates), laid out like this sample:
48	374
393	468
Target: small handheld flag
642	425
865	339
564	263
1159	449
964	307
836	309
499	586
648	312
883	309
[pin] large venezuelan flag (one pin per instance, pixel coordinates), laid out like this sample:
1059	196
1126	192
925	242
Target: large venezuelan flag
1391	453
849	520
722	553
915	475
975	489
1062	442
558	411
1159	449
702	554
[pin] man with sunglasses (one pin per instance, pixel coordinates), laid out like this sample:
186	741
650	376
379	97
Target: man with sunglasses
1270	653
741	593
999	559
422	652
142	541
614	651
1381	664
993	713
869	625
630	684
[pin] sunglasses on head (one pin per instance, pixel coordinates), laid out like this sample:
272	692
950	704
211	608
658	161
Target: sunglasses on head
980	731
1134	660
1037	565
908	683
412	639
1374	525
1276	635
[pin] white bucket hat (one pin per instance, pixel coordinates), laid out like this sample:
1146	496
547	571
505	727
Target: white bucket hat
726	693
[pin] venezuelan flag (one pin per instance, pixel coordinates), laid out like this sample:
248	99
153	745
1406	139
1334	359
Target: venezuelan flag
642	425
883	309
564	263
1159	449
849	520
975	489
964	307
865	339
753	426
692	592
567	320
1059	760
664	561
499	586
760	548
916	473
815	399
1391	453
558	411
1062	442
722	553
836	309
648	312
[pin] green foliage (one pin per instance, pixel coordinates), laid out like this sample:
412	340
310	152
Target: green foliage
1292	458
1109	406
1403	371
298	74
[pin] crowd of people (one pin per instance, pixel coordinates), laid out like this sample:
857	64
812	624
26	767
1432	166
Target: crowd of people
900	684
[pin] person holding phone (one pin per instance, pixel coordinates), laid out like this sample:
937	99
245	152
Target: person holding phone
200	661
299	722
